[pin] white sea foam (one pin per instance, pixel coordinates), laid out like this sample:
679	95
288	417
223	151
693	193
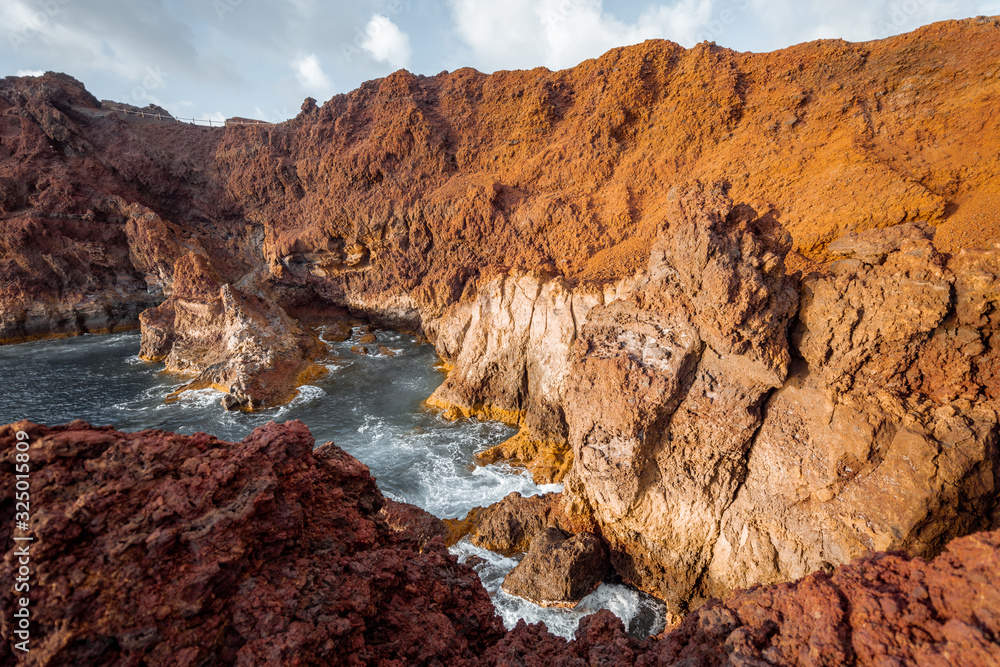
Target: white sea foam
199	398
372	406
640	613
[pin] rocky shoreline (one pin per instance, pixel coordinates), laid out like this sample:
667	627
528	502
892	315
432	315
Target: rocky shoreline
743	305
157	548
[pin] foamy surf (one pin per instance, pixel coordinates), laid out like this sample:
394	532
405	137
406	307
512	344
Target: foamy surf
372	406
642	614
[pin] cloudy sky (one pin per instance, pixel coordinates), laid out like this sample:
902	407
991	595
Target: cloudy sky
222	58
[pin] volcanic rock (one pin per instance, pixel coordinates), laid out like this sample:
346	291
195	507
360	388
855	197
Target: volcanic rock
511	218
237	341
892	412
882	609
158	548
155	548
410	520
666	386
559	569
507	527
89	202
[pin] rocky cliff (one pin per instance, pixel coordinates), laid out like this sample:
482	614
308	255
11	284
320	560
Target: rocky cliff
160	549
156	548
743	304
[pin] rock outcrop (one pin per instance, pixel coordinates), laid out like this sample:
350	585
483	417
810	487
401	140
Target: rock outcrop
885	436
235	340
159	549
726	435
666	389
883	609
163	549
559	569
507	527
93	205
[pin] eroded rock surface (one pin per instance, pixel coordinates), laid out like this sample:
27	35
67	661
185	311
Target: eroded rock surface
511	217
507	527
667	384
879	610
885	436
559	569
162	549
233	339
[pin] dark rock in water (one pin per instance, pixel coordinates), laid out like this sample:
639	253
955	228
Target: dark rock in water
506	527
367	338
474	561
559	570
385	351
161	549
235	339
359	349
510	526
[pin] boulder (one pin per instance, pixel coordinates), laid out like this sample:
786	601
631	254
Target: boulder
559	570
233	339
506	527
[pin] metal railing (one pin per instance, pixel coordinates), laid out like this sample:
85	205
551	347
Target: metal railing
208	122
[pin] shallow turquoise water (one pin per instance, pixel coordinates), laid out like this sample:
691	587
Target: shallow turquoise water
371	406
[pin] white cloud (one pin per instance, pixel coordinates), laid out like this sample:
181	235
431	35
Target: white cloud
311	76
562	33
217	117
385	42
30	72
853	20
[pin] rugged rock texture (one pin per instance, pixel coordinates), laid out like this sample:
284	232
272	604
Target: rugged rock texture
559	569
233	339
94	205
160	549
507	527
879	610
666	387
885	436
410	520
166	549
705	465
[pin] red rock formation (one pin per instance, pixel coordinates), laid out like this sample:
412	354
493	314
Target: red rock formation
879	610
81	189
159	549
166	549
233	339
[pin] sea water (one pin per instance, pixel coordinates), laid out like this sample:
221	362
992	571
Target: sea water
370	405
